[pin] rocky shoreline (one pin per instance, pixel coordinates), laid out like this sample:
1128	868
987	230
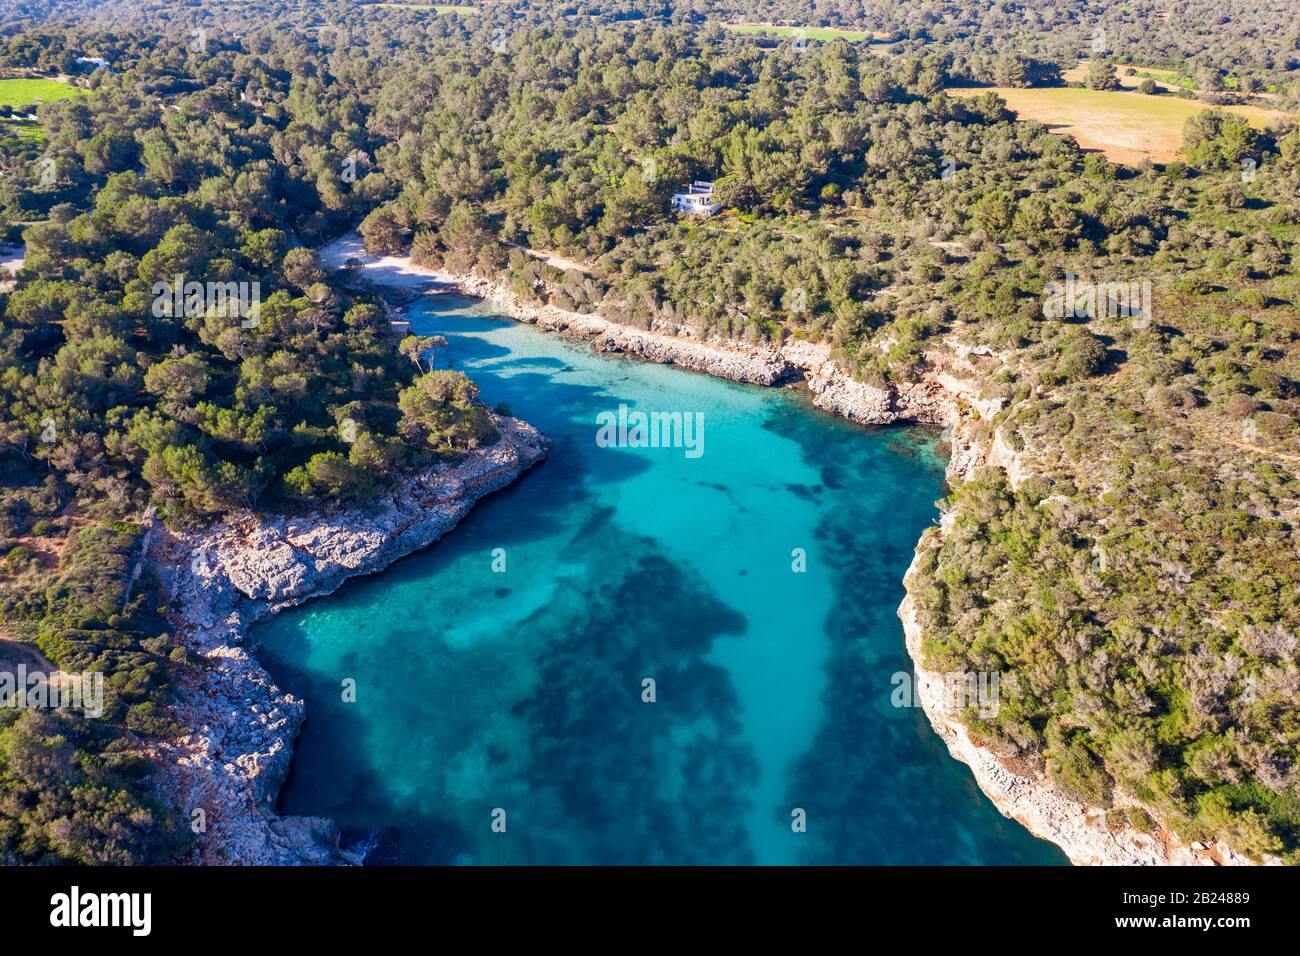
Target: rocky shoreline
226	773
930	401
948	395
1089	836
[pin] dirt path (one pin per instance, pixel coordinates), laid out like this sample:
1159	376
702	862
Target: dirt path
553	260
13	653
1259	449
1208	431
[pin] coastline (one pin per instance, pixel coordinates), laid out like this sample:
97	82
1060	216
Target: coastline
832	389
1088	835
226	773
948	395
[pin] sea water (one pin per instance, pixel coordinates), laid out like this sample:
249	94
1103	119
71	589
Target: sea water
636	655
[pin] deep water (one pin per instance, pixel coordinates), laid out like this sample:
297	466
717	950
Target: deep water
521	690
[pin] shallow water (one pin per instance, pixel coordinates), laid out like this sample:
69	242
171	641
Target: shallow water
482	690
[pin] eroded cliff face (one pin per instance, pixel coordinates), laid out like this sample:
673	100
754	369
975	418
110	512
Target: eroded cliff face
1019	789
1088	835
755	364
230	767
930	401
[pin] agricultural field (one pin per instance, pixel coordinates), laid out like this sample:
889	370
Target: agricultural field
21	132
25	92
20	136
1169	79
1125	127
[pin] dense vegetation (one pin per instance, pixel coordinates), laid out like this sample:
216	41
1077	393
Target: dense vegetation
110	407
76	788
1141	584
1255	38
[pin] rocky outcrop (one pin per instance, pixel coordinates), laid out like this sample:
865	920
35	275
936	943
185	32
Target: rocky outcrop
757	365
225	774
930	401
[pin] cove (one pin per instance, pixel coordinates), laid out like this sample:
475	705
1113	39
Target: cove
500	676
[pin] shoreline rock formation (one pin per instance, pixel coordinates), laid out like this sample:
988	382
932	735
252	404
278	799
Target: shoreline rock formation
1088	835
947	395
226	773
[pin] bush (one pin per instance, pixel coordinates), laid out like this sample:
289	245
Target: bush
1139	819
16	561
1081	356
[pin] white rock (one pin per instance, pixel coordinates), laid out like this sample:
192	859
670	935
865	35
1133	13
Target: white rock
256	567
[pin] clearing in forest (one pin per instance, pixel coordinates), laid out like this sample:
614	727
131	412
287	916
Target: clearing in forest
25	92
1124	126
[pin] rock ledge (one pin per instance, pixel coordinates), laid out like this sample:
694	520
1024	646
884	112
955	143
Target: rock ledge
242	727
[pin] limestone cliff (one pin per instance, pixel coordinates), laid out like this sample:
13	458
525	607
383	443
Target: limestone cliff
225	774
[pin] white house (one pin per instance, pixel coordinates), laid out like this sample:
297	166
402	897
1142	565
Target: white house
698	198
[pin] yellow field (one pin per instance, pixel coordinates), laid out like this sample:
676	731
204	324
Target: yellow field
1125	127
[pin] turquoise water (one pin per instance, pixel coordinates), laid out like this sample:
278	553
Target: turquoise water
482	690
